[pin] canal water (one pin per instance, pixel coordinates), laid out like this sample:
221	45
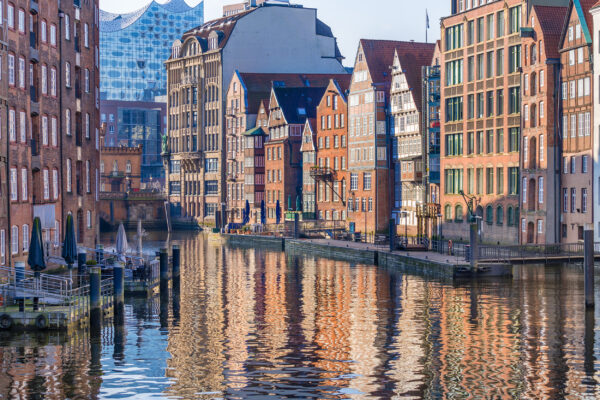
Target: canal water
248	323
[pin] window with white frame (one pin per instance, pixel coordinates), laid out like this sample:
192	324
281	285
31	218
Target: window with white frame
68	74
24	181
86	39
87	126
44	31
45	130
87	80
54	132
53	81
69	176
89	219
21	73
53	35
88	185
540	226
2	247
541	190
25	229
14	245
12	129
46	177
10	16
11	69
14	191
44	79
55	184
56	233
67	27
68	122
23	126
542	147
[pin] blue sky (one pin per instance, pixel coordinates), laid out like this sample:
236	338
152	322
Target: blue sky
350	20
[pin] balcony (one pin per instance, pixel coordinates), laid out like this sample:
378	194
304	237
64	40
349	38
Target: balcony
34	101
34	7
34	54
322	174
36	162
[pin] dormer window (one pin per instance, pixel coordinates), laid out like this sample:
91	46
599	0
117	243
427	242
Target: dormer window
213	42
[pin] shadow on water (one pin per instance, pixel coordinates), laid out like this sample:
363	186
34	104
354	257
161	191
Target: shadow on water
250	323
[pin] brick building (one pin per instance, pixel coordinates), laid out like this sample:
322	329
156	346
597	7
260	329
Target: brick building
244	95
481	119
289	110
308	148
331	172
407	131
124	196
540	155
271	38
577	107
369	158
595	12
51	117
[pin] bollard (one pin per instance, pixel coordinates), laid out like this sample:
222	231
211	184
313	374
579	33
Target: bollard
164	265
81	260
176	261
588	265
95	298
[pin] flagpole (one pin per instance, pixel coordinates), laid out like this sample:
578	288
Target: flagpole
426	25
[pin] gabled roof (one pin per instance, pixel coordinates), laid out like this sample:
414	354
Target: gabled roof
298	104
256	131
412	60
379	55
223	27
309	130
258	86
582	7
552	21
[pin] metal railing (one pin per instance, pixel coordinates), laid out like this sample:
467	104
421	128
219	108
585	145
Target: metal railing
523	252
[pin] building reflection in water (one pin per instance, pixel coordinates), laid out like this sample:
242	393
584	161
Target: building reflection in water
252	322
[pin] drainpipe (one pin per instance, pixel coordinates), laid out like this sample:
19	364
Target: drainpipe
8	235
61	15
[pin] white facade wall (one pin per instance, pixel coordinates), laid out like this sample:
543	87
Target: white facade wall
596	129
277	39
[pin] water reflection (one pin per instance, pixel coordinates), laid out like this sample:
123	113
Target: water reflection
249	323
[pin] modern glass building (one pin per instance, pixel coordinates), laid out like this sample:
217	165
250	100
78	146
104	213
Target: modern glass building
134	46
133	80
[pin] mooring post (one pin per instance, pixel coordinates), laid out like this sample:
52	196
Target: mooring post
164	265
296	226
474	245
176	267
392	229
81	260
588	265
95	298
118	291
19	278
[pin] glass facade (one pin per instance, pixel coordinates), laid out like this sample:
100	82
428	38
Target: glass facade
133	48
142	126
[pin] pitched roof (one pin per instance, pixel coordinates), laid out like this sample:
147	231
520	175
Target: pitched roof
379	55
256	131
582	7
413	59
551	20
298	104
309	127
258	86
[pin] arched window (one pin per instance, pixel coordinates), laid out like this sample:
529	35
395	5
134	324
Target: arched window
458	213
101	167
489	215
533	54
448	212
510	216
128	167
115	166
499	215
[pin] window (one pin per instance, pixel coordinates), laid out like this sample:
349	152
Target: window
44	79
67	28
14	192
500	180
24	180
513	143
87	80
367	181
489	215
2	239
573	165
21	73
489	180
53	35
88	185
54	132
86	41
499	215
53	81
584	200
69	176
25	238
11	69
500	141
14	240
573	199
541	152
88	218
46	177
514	100
515	19
87	126
23	126
44	31
500	62
584	164
565	200
45	130
541	190
515	59
524	190
353	182
513	180
10	16
55	184
12	129
454	109
68	122
500	24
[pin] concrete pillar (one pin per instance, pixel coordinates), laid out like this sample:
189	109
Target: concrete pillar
176	267
588	265
118	291
19	278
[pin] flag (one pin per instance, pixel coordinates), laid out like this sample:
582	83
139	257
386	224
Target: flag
427	18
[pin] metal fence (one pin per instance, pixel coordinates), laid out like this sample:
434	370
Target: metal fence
512	253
